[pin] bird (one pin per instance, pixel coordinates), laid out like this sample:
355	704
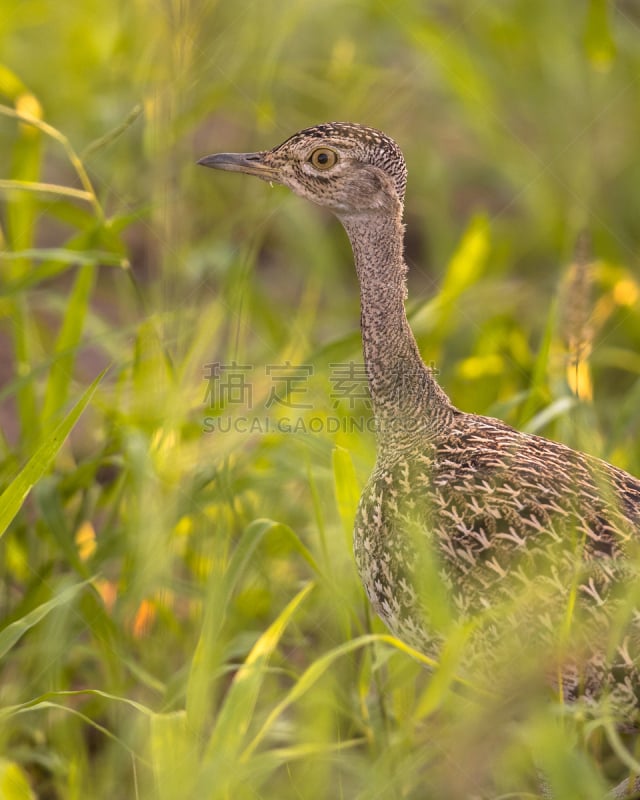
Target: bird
463	511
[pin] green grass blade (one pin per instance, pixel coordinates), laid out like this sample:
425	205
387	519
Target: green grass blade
306	681
469	259
446	673
111	136
46	700
173	759
599	43
347	488
65	256
10	84
36	187
31	116
13	632
539	394
23	336
14	495
237	711
465	268
548	414
13	782
20	218
68	341
44	705
208	652
313	673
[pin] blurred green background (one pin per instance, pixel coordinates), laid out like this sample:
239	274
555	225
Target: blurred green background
181	613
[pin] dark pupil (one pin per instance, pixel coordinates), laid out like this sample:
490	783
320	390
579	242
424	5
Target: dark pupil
322	158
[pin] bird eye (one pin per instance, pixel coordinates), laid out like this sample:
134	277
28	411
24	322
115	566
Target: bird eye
323	158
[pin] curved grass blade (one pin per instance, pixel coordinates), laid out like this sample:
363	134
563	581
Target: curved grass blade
313	673
112	135
36	187
13	632
14	495
237	710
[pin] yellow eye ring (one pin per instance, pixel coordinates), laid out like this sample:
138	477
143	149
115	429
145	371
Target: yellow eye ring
323	158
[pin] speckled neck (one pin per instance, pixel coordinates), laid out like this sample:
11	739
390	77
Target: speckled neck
407	401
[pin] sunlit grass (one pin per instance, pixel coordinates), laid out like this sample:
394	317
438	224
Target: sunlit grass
181	612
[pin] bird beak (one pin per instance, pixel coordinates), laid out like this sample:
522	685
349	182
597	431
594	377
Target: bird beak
249	163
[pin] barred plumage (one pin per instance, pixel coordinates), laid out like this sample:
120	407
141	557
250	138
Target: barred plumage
459	504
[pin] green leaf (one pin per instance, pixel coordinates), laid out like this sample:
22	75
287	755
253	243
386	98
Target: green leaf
14	495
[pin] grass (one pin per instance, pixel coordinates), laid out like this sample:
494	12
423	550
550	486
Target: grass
181	615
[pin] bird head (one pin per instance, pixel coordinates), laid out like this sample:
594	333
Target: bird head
348	168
